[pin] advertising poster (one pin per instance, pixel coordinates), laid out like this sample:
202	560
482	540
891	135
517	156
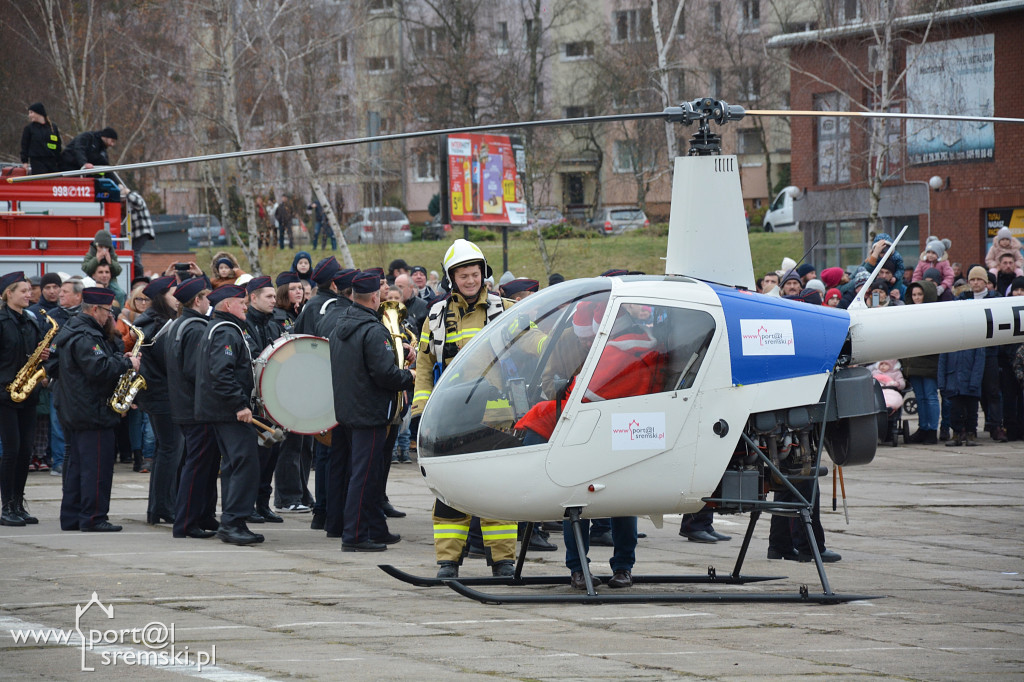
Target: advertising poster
951	76
484	186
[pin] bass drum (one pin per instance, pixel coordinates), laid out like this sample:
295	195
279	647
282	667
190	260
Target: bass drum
293	379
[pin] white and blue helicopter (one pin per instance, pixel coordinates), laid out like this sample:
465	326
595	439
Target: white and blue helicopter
751	390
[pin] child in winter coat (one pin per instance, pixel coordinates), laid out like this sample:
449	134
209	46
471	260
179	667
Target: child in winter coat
934	256
959	376
887	373
1005	242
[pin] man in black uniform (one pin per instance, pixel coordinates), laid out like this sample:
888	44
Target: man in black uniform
224	388
335	472
40	142
196	503
88	369
262	329
89	149
366	378
308	322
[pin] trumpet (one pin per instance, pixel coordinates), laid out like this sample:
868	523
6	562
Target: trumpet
31	374
131	382
392	315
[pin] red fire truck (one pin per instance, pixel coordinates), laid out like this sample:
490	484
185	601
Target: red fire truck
48	225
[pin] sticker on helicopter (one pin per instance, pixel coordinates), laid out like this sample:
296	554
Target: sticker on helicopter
767	337
643	431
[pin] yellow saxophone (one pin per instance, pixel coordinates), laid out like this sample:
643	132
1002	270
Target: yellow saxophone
131	382
31	374
392	314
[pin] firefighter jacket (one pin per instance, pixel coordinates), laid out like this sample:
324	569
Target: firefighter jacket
40	146
365	371
450	324
19	336
90	365
261	330
181	359
224	380
309	317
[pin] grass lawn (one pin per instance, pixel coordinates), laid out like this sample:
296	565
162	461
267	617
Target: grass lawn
571	257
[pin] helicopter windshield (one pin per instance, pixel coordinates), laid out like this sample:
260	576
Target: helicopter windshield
527	360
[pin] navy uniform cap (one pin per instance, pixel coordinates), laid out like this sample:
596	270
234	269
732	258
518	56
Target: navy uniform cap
366	283
190	288
261	282
11	278
97	296
324	271
343	278
379	272
158	286
615	272
227	291
517	286
287	277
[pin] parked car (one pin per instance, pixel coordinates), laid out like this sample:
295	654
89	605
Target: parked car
205	230
610	220
779	217
544	216
435	229
377	225
171	234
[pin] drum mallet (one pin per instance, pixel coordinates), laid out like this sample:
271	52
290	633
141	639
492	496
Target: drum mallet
272	436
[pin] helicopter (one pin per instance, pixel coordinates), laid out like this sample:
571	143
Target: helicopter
750	391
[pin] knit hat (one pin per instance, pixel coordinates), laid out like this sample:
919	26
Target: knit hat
109	132
861	277
804	269
935	245
832	293
103	238
224	261
977	272
555	278
1017	283
817	285
506	278
38	108
831	277
791	275
787	265
1004	233
50	278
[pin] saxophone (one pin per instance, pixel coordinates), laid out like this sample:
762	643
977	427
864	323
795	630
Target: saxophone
131	382
392	314
31	374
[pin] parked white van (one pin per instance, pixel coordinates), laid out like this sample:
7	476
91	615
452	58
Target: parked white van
779	217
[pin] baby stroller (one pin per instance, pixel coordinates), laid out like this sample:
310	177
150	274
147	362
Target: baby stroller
894	391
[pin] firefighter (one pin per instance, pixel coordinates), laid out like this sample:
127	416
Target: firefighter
40	142
451	322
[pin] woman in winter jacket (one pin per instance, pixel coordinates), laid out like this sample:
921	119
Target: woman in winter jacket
922	373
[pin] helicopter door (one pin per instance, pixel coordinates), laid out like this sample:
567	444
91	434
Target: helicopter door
636	393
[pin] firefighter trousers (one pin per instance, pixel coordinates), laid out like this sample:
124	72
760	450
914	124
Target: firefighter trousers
451	529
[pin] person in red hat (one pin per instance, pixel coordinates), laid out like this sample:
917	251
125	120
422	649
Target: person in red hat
88	370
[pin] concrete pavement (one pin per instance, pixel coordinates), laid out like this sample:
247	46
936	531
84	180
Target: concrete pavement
936	530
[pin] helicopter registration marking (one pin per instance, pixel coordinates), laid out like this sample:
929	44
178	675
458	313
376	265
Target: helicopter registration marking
767	337
638	431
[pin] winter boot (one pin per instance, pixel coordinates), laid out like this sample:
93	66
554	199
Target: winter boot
9	516
970	439
137	460
506	568
447	569
957	439
21	510
930	437
944	434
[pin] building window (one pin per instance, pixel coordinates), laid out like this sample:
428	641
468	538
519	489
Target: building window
342	46
750	83
580	50
748	141
677	86
715	83
379	64
629	156
715	18
344	106
424	41
578	111
849	11
629	100
426	166
529	28
381	5
501	37
632	26
833	141
750	17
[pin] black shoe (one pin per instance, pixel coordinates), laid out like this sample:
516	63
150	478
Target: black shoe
577	581
210	524
827	556
787	554
255	517
539	543
102	527
621	579
447	570
268	514
366	546
334	536
10	517
698	536
259	537
391	512
154	519
506	568
930	438
237	536
721	537
389	539
196	533
318	521
601	540
22	511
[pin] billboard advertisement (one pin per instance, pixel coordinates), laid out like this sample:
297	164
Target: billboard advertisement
483	180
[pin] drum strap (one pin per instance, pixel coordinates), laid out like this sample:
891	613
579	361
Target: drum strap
209	335
184	323
323	308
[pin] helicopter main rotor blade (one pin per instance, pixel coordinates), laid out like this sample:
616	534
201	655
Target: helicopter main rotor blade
611	118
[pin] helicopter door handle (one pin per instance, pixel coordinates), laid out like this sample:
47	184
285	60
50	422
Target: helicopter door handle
721	428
